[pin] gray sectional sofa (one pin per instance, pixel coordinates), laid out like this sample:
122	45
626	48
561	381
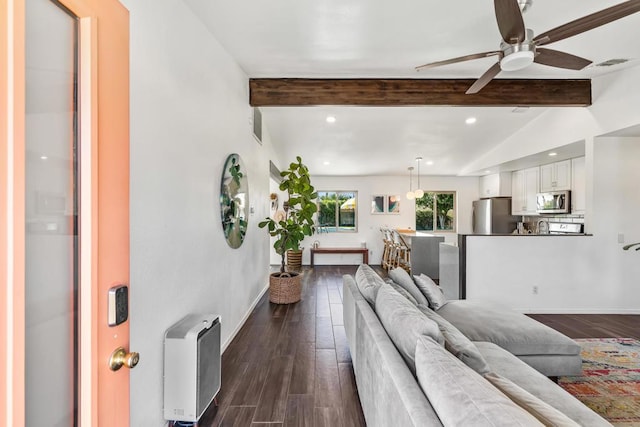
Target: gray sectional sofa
407	374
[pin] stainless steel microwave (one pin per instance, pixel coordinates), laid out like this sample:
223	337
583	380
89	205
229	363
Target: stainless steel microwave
554	202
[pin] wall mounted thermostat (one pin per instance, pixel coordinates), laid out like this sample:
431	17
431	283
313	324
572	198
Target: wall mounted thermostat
118	306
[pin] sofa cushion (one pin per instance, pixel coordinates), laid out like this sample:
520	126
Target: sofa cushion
430	290
554	365
402	291
368	282
402	278
545	413
460	396
515	332
509	366
388	390
404	323
456	343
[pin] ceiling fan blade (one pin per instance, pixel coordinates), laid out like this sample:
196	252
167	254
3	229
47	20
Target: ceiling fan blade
555	58
484	79
459	59
588	22
510	21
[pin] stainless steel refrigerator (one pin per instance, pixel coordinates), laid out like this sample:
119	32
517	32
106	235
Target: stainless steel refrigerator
493	216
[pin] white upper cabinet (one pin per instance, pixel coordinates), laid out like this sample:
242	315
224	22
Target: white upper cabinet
578	186
555	176
518	204
525	185
495	185
531	189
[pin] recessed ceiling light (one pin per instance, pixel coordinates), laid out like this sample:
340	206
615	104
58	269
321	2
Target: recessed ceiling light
44	157
331	119
326	163
487	171
429	163
471	120
553	154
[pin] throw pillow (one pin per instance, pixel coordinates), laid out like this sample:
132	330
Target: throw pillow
402	278
404	323
430	290
368	283
544	412
402	291
457	344
460	396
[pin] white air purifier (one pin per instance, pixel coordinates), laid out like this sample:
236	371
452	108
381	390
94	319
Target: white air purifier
191	366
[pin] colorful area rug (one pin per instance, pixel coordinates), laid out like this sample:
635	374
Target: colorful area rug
610	384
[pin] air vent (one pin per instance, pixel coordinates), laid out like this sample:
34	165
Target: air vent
612	62
257	124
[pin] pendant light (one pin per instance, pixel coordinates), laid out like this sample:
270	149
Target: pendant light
418	193
410	194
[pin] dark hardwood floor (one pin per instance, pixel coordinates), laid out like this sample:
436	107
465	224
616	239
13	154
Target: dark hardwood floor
290	364
593	325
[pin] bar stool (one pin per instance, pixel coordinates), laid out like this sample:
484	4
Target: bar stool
387	248
402	253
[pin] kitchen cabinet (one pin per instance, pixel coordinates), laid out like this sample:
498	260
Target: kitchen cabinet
555	176
495	185
578	186
525	186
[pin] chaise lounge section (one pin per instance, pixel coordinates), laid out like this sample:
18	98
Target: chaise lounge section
541	347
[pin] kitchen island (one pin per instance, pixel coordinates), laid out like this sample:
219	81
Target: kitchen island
425	252
529	273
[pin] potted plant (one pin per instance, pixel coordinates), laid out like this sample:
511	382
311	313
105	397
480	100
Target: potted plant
285	286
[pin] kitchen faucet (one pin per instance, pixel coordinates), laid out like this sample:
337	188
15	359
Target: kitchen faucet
543	226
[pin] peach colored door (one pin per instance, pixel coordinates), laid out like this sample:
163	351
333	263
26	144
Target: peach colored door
64	218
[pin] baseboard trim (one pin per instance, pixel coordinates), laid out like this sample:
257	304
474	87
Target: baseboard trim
244	318
633	311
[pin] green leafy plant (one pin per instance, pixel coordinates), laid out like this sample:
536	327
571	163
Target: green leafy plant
299	209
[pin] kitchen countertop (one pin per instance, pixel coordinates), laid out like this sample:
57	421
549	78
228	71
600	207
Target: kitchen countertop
413	233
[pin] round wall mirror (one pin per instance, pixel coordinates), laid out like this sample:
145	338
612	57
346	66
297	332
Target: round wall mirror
234	201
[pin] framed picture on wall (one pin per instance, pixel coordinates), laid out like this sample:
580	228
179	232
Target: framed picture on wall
378	204
393	204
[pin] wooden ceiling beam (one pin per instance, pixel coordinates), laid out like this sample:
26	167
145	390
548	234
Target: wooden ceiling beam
417	92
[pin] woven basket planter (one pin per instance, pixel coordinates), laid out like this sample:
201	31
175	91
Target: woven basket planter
285	290
294	260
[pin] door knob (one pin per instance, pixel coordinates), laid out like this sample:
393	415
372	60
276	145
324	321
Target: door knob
120	358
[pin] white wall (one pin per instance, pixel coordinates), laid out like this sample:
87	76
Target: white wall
573	274
616	204
467	189
189	111
616	102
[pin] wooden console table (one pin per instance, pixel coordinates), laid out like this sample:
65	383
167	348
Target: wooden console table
363	251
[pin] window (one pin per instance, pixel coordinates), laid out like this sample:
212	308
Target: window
337	211
436	211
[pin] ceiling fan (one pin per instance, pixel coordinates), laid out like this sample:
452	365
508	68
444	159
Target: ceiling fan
519	48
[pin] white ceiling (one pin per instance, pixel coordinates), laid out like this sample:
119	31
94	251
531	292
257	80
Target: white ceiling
380	38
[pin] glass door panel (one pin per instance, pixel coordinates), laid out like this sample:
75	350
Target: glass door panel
51	202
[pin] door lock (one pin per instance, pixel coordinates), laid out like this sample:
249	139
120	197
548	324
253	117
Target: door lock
120	358
118	305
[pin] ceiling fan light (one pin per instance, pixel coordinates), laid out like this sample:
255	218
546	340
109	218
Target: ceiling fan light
517	60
